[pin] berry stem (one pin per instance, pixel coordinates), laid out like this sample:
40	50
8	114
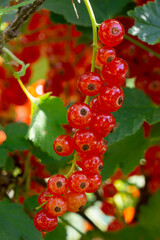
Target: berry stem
40	206
94	45
73	166
141	45
24	66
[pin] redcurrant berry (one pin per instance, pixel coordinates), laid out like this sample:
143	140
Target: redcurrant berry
111	98
102	123
43	221
85	141
57	184
78	182
63	145
111	32
101	147
108	208
79	115
95	105
42	198
109	190
94	182
56	206
76	201
115	73
90	84
92	164
106	54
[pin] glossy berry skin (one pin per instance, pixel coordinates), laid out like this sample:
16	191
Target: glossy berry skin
57	184
78	182
102	123
95	105
101	147
111	32
79	115
94	182
109	190
63	145
56	206
75	201
108	208
85	141
111	98
43	221
106	54
115	73
90	84
92	164
42	198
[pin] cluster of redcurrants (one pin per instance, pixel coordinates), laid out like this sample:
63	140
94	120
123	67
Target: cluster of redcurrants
92	124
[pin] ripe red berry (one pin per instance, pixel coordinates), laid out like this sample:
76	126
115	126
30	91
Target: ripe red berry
109	190
85	141
101	147
106	54
92	164
76	201
43	221
115	225
111	98
79	115
90	84
95	105
94	182
57	184
78	182
63	145
102	123
42	198
115	73
108	208
111	32
56	206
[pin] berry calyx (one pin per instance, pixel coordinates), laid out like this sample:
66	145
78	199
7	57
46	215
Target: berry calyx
111	32
90	84
63	145
43	221
57	184
79	115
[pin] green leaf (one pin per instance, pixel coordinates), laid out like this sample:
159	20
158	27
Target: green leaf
103	10
147	22
16	133
58	233
125	154
3	156
15	223
149	217
136	109
46	123
31	203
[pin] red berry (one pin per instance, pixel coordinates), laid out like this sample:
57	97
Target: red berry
111	98
108	208
111	32
92	164
57	184
56	206
76	201
79	115
106	54
42	198
78	182
109	190
90	84
95	105
94	182
102	123
115	225
101	147
115	73
85	141
63	145
43	221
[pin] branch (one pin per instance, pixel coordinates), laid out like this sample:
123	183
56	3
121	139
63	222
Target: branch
21	17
